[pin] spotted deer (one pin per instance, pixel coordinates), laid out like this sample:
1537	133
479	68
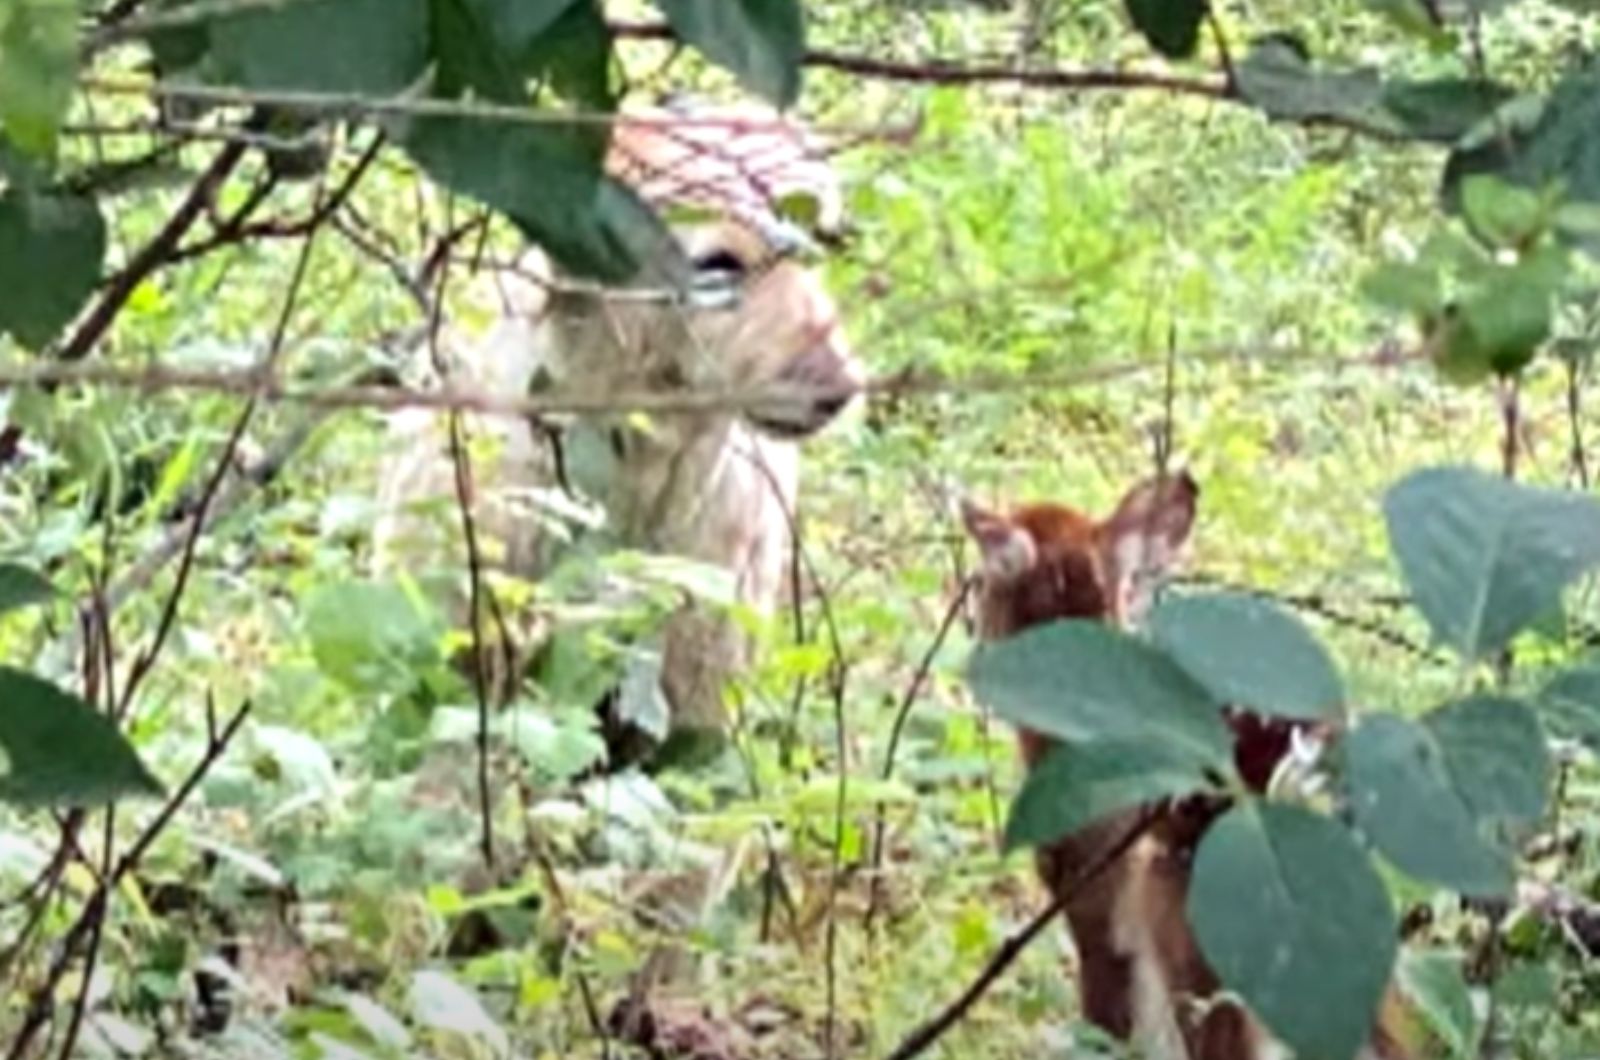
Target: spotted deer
717	486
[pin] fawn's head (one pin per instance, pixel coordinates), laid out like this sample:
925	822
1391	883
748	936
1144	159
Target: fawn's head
1043	562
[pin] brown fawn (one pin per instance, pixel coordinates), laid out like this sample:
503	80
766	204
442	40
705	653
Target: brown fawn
1142	977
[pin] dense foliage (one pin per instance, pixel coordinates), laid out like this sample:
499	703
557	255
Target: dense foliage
1342	258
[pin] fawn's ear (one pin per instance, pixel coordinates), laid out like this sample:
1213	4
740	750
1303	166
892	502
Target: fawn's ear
1144	540
1007	549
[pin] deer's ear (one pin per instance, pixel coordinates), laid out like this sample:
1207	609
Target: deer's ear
1144	540
1007	550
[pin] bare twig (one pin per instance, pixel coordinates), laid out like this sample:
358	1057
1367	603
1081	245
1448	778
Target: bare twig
902	713
152	255
225	462
920	1039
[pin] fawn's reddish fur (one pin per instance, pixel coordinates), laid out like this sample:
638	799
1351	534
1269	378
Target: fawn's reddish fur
1142	976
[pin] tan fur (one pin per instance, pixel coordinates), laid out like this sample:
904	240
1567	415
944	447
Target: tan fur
1142	977
714	486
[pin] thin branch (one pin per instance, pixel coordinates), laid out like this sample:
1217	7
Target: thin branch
269	388
151	256
225	462
902	713
920	1039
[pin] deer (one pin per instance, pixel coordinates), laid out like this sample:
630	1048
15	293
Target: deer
716	486
1142	976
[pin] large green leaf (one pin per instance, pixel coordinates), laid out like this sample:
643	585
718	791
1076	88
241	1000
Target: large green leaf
52	247
1557	145
57	750
547	180
1078	784
761	41
1443	110
1431	794
483	44
1570	704
1485	557
573	57
1278	77
38	68
375	47
1291	914
371	636
1083	680
1171	26
21	587
1249	652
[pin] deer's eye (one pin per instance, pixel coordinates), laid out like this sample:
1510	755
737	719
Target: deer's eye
722	262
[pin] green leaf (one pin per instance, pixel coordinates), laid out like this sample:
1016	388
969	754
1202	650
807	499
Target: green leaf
761	41
1291	914
1431	794
1277	77
367	47
574	57
371	636
1248	652
1484	557
1433	982
57	750
1497	756
1570	704
483	44
1443	110
1078	784
1507	318
52	246
22	587
1405	287
1171	26
1541	146
548	181
38	70
1502	214
1080	681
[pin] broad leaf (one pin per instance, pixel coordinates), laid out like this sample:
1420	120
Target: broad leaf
376	47
52	247
441	1003
1291	914
1078	784
761	41
1445	110
1081	681
38	69
1504	321
1432	795
1559	146
484	44
1502	214
1171	26
573	57
1277	77
1484	557
1570	703
1405	287
22	587
1405	799
547	180
57	750
1497	756
1433	982
371	636
1249	652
